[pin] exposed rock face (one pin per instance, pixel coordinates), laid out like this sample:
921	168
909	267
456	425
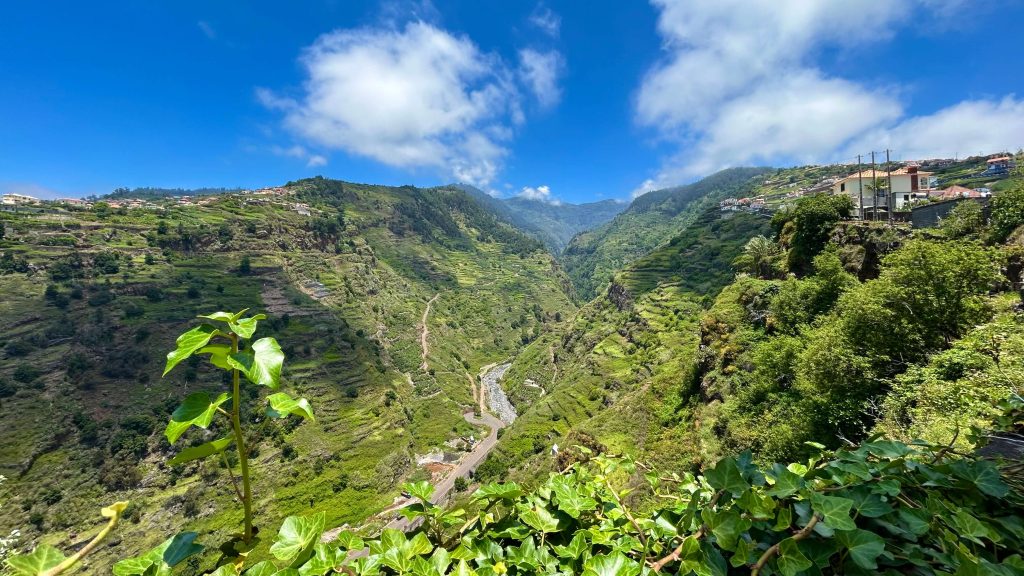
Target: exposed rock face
619	296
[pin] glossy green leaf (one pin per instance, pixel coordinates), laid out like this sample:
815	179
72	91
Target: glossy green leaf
791	561
282	404
188	343
297	536
834	510
614	564
494	491
201	451
864	547
261	364
38	561
246	327
160	560
726	476
540	519
264	568
784	482
570	501
197	410
422	490
218	354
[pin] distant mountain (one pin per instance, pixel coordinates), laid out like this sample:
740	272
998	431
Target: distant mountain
553	224
593	256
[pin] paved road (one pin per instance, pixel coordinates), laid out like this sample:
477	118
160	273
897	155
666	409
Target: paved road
465	468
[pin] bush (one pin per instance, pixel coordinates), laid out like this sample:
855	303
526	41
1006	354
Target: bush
26	373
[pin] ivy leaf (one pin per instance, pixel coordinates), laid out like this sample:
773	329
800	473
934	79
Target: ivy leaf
887	449
297	536
196	410
264	568
570	500
281	405
864	547
726	476
835	510
201	451
984	475
726	525
40	560
786	482
160	560
188	343
494	491
323	560
614	564
350	541
791	560
540	519
577	546
262	364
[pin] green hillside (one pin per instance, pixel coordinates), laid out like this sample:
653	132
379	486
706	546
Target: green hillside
652	219
92	301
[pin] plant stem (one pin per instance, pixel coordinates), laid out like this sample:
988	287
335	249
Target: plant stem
71	561
243	455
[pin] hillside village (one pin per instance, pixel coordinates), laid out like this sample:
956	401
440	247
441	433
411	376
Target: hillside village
888	192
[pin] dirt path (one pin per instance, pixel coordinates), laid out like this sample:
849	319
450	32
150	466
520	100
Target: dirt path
425	331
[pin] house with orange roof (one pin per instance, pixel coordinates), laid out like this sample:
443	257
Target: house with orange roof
909	183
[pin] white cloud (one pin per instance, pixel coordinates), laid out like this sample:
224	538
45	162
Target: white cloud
964	129
207	29
540	193
300	153
751	93
416	97
546	20
540	71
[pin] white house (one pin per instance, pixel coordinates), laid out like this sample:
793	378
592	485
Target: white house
908	184
13	199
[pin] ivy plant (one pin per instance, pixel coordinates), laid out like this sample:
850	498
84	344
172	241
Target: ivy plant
45	560
225	343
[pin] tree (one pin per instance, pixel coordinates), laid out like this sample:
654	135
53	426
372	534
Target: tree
810	226
245	266
964	219
758	256
3	229
1007	212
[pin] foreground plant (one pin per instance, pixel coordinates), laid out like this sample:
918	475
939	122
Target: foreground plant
46	560
260	363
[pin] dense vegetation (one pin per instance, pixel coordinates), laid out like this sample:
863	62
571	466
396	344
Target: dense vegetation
652	219
91	299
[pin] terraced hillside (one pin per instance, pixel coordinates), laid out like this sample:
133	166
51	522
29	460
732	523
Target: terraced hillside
594	256
620	370
91	301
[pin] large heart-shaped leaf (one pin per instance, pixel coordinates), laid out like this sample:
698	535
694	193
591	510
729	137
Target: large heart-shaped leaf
262	364
39	561
197	410
835	510
495	491
160	560
264	568
188	343
201	451
864	547
281	405
791	560
297	536
540	519
614	564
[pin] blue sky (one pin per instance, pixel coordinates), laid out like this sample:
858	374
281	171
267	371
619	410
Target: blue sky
570	100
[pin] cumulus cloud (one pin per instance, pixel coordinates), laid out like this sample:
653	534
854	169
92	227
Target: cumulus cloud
540	193
547	21
540	71
300	153
751	93
415	97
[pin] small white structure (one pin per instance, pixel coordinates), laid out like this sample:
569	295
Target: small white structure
554	449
